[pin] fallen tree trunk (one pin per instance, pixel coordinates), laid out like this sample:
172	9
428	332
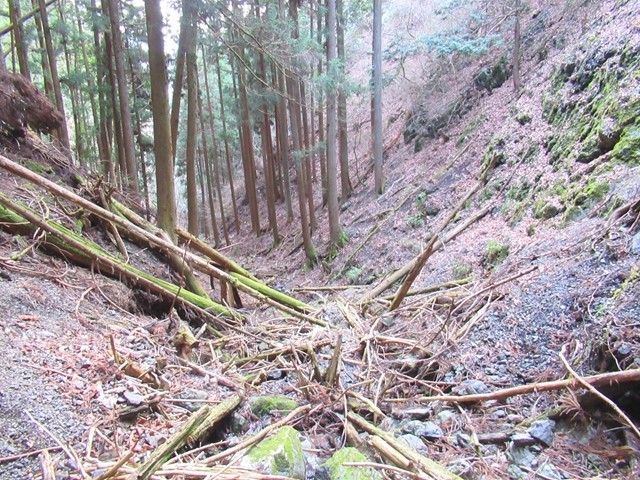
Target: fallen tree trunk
428	466
89	254
193	260
602	380
193	429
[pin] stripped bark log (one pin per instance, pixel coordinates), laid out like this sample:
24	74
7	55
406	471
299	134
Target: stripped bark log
598	381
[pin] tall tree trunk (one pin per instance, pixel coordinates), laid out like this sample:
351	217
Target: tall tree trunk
342	110
91	85
517	81
377	95
130	163
227	150
3	64
18	35
106	158
207	172
119	166
283	135
44	59
293	91
204	192
74	97
192	113
248	160
166	196
307	157
322	157
53	65
178	81
332	120
214	149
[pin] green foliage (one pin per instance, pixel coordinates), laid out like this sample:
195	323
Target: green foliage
449	43
353	273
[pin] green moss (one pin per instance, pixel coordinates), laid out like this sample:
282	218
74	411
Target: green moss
280	454
627	150
545	210
262	406
353	274
343	239
37	167
469	129
339	471
496	252
462	269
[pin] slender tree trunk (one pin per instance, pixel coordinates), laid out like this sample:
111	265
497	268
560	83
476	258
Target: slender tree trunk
227	150
214	149
166	197
307	157
517	80
178	81
114	125
207	171
204	220
332	120
44	18
248	157
18	35
192	112
3	64
106	158
283	135
345	181
322	157
44	59
74	97
377	96
130	165
91	86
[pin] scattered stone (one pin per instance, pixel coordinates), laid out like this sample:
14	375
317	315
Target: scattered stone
446	416
415	442
462	440
546	210
490	78
262	406
334	468
133	398
514	418
548	470
522	456
471	387
522	439
635	244
192	394
543	431
417	413
428	430
280	454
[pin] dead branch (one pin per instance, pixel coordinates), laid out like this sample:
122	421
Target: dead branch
601	380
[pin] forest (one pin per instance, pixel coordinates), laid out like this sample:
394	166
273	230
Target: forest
330	239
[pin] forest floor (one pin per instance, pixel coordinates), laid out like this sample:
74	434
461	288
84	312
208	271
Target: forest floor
529	291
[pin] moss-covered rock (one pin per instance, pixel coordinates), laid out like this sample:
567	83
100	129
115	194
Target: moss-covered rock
545	210
280	454
492	77
264	405
627	149
496	252
338	471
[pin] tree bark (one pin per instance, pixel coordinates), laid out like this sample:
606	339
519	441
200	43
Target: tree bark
192	113
517	81
343	143
166	197
18	35
332	120
53	65
178	81
123	98
377	96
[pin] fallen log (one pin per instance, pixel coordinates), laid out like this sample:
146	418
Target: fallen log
89	254
420	462
193	260
193	429
601	380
